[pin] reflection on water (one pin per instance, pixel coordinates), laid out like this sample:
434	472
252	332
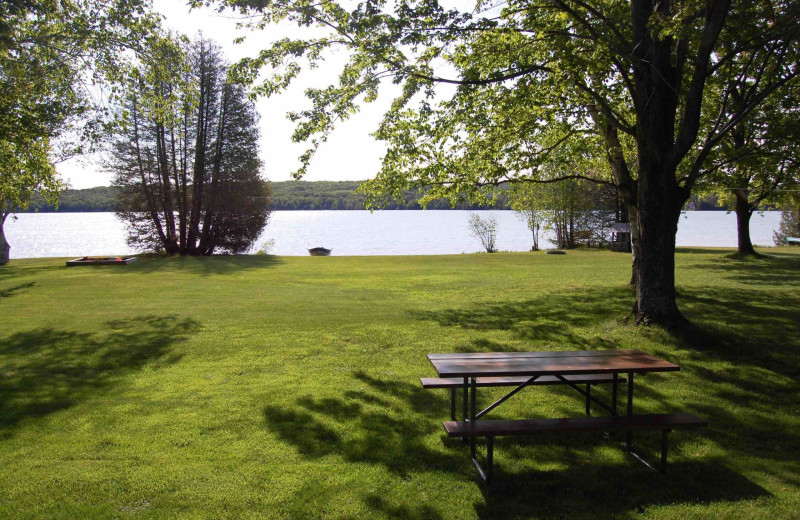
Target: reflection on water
352	232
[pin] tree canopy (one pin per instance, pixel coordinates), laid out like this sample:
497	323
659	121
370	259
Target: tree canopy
53	56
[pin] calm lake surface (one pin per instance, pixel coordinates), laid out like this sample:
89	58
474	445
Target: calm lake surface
352	232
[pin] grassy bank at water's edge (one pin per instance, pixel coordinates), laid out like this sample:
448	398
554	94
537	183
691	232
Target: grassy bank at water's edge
271	387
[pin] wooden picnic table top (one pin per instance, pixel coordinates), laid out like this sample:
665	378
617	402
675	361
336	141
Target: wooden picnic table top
485	364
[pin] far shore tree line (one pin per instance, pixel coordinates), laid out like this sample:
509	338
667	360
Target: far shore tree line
285	196
646	104
326	195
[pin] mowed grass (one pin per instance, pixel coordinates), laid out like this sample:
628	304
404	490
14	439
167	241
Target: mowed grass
270	387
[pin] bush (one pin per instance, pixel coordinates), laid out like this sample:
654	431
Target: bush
485	230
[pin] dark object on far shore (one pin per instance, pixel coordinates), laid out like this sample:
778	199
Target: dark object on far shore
320	251
101	260
556	252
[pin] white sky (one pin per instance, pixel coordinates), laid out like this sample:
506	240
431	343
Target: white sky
349	154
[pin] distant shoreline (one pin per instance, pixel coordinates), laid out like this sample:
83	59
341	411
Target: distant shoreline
286	196
295	196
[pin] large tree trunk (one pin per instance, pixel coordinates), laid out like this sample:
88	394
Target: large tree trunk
658	68
171	244
659	209
743	213
4	247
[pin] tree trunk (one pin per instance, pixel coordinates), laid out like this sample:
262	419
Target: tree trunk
206	246
184	207
181	238
743	213
151	204
633	217
659	208
198	179
4	246
657	80
171	244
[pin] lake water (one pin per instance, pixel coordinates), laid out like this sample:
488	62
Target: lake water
352	232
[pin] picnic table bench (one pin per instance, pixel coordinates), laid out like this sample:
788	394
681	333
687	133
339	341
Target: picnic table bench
474	370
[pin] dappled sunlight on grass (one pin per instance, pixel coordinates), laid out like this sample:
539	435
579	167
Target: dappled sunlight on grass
46	370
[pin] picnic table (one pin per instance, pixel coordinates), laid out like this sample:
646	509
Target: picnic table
471	371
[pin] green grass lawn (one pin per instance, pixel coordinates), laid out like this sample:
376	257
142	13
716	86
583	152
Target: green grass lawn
272	387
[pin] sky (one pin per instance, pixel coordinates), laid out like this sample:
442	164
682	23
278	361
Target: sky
350	152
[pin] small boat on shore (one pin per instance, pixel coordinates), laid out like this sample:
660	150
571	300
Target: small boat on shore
319	251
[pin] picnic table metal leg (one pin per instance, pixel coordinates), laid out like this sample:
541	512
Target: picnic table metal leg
489	458
473	452
663	468
588	399
473	391
485	473
465	403
453	404
473	399
630	409
614	384
466	398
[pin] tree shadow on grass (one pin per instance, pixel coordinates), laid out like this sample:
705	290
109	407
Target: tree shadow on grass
206	265
772	322
772	269
397	425
45	370
548	318
16	270
402	511
743	358
11	291
361	426
589	489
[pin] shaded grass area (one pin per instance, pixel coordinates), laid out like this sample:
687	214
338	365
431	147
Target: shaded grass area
264	387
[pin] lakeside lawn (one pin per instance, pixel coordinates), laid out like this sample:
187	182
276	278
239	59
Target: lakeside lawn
277	387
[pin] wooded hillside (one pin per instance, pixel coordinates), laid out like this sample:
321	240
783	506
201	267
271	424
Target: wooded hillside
286	195
299	195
